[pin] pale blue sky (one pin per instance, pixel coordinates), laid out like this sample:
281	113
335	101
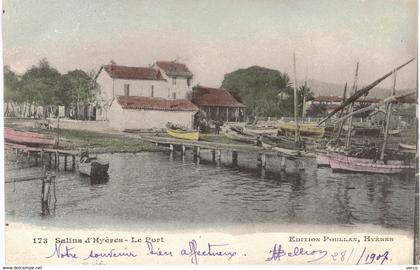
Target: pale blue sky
215	37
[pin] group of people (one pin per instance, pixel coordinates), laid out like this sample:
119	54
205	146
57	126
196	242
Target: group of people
204	126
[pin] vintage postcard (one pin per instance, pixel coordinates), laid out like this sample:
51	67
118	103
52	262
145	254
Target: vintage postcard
210	132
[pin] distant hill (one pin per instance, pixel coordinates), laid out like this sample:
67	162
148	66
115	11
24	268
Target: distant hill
320	88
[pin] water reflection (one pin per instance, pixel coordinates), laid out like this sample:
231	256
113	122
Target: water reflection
173	189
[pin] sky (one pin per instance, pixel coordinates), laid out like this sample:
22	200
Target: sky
216	37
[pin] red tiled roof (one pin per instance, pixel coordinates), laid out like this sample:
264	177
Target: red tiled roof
133	73
206	96
152	103
173	68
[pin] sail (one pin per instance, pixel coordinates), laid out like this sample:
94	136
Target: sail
364	91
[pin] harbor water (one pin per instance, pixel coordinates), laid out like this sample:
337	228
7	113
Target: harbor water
146	189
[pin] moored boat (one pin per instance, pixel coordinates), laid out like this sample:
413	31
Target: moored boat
92	167
351	164
183	134
407	146
27	138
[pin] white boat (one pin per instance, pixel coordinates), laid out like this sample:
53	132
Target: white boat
91	167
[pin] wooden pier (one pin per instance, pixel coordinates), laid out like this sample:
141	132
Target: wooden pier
48	187
216	149
42	155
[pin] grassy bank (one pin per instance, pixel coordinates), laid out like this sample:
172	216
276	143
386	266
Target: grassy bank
100	141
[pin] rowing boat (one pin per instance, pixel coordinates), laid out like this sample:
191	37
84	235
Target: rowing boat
183	134
407	146
26	138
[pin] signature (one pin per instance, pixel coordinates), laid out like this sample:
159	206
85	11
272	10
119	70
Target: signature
343	256
212	250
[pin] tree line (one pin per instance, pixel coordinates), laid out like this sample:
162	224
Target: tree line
42	84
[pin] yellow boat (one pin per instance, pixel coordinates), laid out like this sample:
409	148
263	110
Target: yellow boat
311	130
183	134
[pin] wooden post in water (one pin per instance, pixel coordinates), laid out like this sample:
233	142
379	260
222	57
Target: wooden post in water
73	164
171	147
197	154
58	160
218	157
234	158
183	150
282	164
65	162
213	155
55	159
42	157
388	117
350	121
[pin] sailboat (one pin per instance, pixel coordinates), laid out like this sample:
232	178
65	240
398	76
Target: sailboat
341	162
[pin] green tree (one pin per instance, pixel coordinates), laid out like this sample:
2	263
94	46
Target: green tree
41	84
11	86
264	91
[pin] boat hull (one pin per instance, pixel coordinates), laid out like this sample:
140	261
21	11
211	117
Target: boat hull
94	169
351	164
182	134
26	138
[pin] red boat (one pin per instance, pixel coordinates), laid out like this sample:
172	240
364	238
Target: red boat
27	138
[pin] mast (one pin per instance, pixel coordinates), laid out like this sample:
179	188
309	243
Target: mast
295	99
388	116
342	111
350	121
304	94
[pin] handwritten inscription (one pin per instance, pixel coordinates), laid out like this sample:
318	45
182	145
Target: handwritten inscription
195	251
312	255
212	250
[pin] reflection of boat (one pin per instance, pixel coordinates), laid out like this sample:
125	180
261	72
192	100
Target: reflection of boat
183	134
305	129
91	167
344	163
407	146
26	138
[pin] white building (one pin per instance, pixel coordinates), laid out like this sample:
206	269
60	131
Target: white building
165	79
178	76
134	112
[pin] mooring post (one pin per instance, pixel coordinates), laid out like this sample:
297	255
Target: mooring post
58	160
42	157
73	163
259	161
28	157
234	158
183	150
49	159
213	155
197	151
55	159
282	164
36	158
218	157
171	147
65	162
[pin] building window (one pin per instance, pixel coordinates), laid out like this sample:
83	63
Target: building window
173	95
174	80
152	91
188	82
126	89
